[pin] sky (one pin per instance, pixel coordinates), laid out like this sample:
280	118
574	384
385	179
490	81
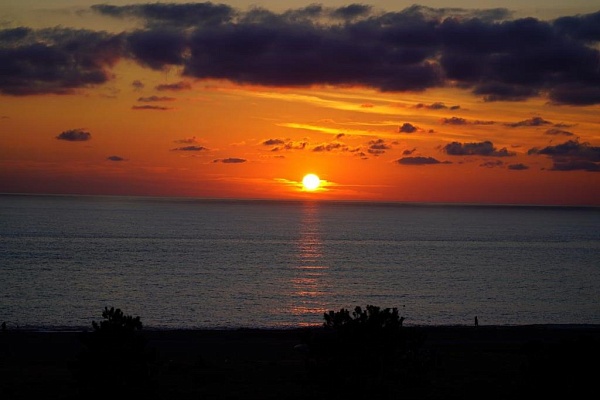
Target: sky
484	102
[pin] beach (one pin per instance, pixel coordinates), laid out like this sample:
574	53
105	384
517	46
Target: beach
491	362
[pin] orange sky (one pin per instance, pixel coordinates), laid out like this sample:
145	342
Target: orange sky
160	130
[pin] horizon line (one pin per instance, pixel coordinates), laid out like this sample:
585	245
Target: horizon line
308	200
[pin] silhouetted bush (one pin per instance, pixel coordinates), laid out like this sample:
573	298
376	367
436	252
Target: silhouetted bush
114	359
372	321
365	353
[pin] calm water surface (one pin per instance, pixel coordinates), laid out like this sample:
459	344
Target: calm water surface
183	263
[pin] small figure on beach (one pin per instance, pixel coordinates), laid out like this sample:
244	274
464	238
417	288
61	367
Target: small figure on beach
476	321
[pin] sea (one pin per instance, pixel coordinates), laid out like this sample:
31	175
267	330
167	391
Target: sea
184	263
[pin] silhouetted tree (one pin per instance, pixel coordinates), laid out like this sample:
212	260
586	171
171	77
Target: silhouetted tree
114	361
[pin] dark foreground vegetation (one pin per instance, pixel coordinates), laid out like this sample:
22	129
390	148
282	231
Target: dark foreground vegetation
365	353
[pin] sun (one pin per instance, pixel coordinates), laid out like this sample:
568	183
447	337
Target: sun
311	182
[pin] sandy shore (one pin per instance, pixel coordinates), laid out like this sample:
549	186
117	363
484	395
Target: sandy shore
491	362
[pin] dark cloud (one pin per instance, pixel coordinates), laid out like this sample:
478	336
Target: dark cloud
187	140
379	144
15	35
340	135
572	155
577	93
558	132
571	149
190	148
433	106
518	167
501	91
454	121
157	48
148	107
462	121
351	11
581	27
378	147
176	87
563	125
576	165
492	164
330	147
169	14
476	149
75	135
284	144
258	53
419	161
56	60
296	145
231	160
517	59
151	99
438	105
407	128
535	121
408	152
115	158
137	84
274	142
485	51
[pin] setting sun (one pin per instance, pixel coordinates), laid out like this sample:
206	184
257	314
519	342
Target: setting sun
311	182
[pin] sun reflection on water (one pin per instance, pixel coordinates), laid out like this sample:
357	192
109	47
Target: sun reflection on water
309	283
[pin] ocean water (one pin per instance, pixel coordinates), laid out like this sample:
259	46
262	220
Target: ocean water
189	263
